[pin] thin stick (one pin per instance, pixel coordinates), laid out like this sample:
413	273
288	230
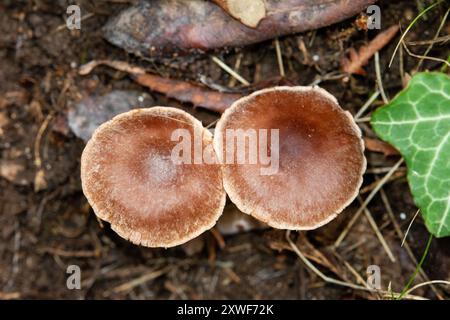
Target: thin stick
442	39
37	141
332	280
366	105
355	274
379	235
237	65
233	73
64	26
444	19
366	202
279	58
318	272
352	270
380	170
209	126
398	174
409	227
379	79
361	120
354	246
401	69
427	283
409	28
140	280
328	77
424	57
218	237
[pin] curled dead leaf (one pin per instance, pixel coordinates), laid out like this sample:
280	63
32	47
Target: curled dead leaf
356	60
180	90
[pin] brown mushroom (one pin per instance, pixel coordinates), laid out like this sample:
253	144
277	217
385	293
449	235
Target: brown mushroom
131	180
318	148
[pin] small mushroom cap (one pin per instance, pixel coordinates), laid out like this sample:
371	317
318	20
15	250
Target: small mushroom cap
131	181
321	157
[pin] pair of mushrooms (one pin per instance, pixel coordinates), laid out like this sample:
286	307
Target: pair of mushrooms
130	179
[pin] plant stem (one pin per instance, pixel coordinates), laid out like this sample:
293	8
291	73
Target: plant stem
409	27
419	266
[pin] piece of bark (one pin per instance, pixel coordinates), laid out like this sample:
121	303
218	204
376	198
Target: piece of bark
356	60
176	89
248	12
163	28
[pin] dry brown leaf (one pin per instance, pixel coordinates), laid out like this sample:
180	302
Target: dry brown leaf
164	28
176	89
188	92
356	60
10	170
379	146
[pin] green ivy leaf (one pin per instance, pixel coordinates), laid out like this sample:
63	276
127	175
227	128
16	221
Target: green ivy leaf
417	123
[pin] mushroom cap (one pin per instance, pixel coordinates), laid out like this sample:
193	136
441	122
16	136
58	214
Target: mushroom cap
132	182
321	157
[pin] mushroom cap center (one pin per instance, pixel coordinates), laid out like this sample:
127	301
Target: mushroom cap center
320	155
132	181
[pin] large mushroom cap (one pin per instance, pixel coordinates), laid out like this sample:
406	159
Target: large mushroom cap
130	179
321	160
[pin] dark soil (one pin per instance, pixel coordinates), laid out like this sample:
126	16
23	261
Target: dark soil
46	223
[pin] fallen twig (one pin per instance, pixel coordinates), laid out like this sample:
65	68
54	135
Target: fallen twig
366	202
339	282
233	73
366	105
379	78
139	281
428	283
378	233
424	57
